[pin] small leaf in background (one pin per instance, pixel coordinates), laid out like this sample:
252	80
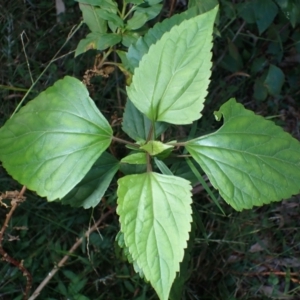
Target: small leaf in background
274	80
250	160
90	190
171	82
156	147
203	6
260	91
135	159
137	125
260	12
155	216
291	10
137	21
138	49
53	141
151	12
109	5
92	18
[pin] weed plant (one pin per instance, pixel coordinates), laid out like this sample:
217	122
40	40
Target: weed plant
248	255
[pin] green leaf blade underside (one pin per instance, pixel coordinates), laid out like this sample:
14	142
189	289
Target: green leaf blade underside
171	82
53	141
155	216
90	190
250	160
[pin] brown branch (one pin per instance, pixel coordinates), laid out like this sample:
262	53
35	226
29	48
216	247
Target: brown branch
16	198
66	257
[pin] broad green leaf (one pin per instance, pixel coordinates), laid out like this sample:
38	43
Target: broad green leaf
137	21
138	49
250	160
135	159
156	147
274	80
92	19
90	190
155	216
137	125
171	82
52	142
97	41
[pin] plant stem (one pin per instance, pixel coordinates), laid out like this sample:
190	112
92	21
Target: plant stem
125	142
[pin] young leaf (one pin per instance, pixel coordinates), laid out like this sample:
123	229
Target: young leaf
250	160
90	190
135	159
171	81
97	41
52	142
156	147
137	125
155	216
138	49
92	19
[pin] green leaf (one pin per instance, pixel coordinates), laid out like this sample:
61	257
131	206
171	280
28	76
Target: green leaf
291	10
203	6
250	160
52	142
129	37
171	82
108	5
261	12
274	80
90	42
138	49
163	167
155	216
151	11
135	159
137	21
156	147
92	18
137	125
90	190
113	17
97	41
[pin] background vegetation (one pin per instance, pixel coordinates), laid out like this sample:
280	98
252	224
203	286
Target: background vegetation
248	255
